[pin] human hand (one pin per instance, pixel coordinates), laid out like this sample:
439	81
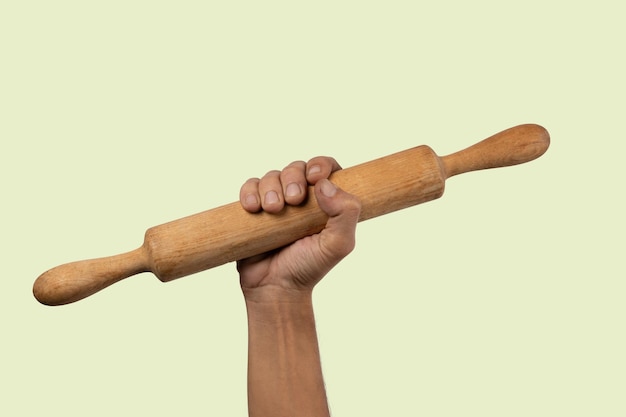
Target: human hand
298	267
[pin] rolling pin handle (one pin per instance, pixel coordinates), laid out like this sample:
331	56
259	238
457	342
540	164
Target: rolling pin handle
513	146
74	281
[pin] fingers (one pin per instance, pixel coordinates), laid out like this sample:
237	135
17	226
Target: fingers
270	192
320	167
265	193
294	183
249	195
289	186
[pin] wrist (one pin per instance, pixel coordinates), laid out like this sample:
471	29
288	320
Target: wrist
279	306
270	294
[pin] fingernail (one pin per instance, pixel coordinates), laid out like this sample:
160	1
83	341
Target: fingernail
315	169
271	197
293	190
328	188
251	200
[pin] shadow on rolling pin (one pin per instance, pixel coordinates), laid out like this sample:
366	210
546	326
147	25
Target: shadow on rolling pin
228	233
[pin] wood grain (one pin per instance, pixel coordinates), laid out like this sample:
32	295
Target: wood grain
228	233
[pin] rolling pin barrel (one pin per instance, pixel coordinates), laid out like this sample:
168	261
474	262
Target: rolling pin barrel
228	233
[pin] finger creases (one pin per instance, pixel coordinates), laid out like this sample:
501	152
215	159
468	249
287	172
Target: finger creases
271	192
249	195
294	183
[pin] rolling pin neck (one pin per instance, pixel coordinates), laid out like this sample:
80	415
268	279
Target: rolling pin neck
513	146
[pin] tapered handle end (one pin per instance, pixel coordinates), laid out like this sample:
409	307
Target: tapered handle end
513	146
74	281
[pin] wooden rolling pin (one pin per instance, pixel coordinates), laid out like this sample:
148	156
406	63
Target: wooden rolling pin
228	233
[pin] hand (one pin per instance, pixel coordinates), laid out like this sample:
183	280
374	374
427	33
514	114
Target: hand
298	267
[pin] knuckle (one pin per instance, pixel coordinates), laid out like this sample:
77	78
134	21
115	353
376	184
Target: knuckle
270	181
250	184
272	173
295	169
339	248
296	165
353	205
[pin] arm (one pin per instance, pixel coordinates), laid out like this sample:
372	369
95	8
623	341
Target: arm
284	371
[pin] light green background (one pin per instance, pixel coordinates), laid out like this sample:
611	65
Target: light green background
503	298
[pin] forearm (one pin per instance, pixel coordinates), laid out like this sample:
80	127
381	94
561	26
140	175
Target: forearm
284	370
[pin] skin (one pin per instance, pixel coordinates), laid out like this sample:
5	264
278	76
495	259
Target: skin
284	370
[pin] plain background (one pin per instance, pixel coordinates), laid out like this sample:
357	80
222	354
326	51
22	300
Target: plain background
503	298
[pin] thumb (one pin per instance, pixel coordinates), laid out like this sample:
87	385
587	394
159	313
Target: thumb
338	237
